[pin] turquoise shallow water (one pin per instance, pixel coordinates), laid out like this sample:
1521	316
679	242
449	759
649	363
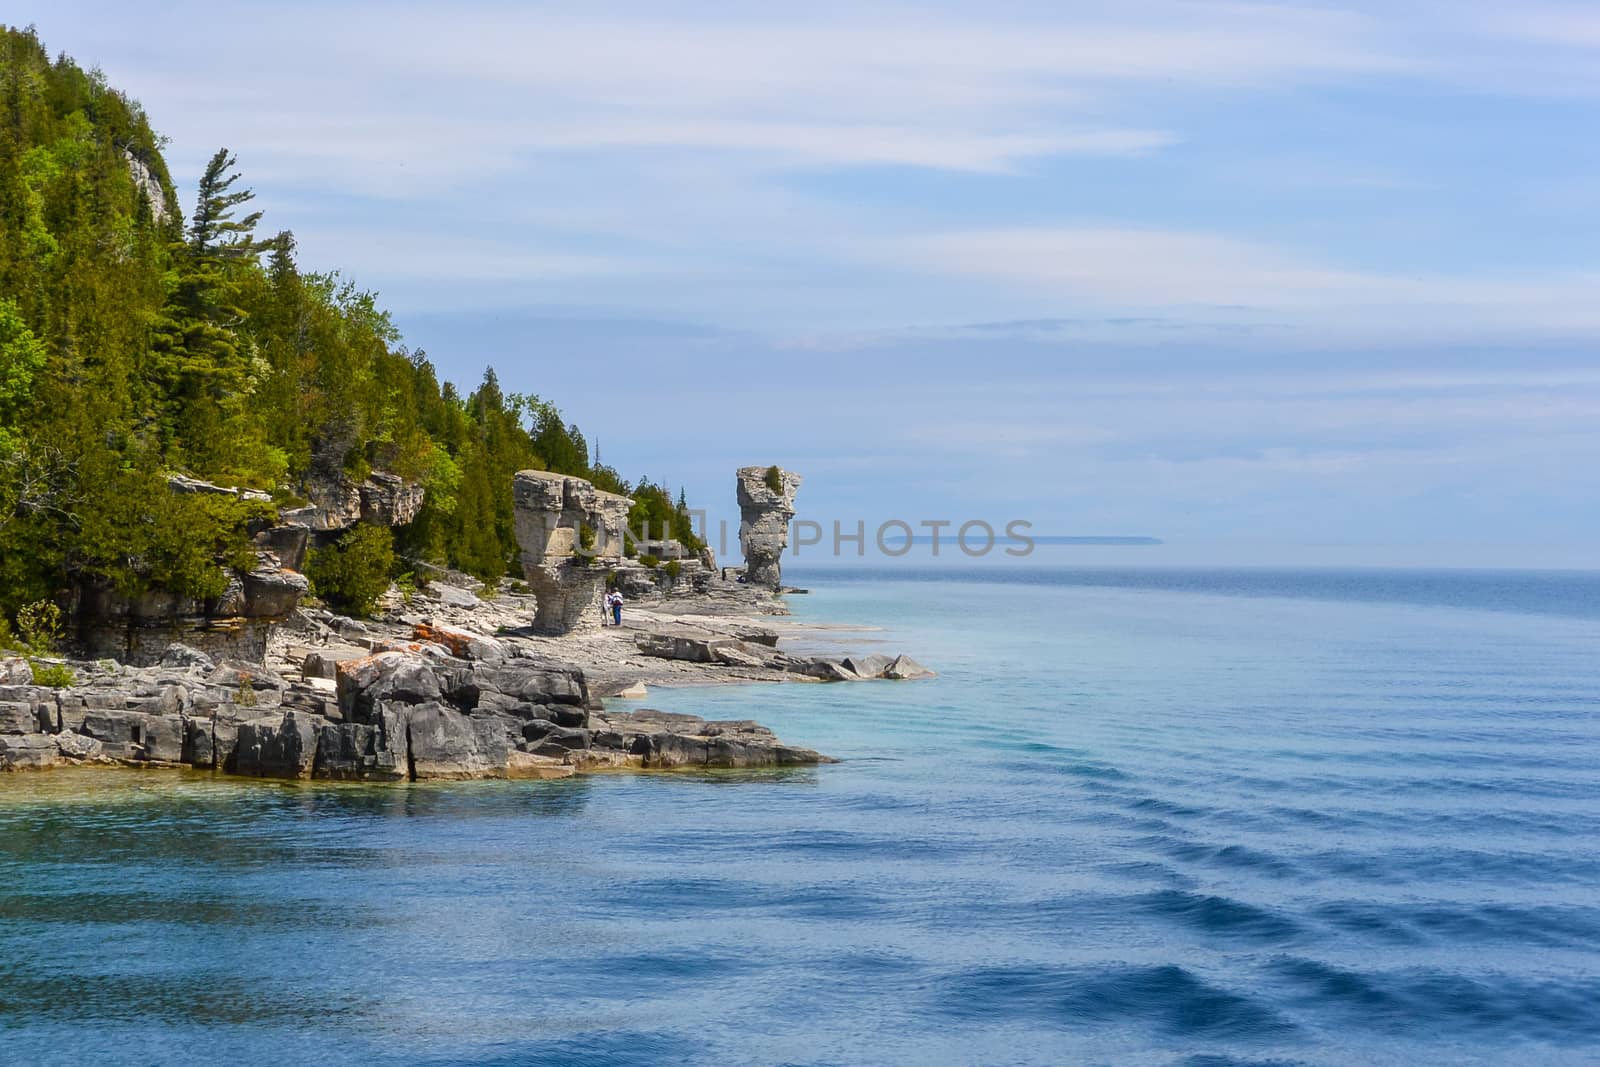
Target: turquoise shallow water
1142	817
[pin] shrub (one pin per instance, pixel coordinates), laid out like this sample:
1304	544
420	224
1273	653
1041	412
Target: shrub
39	627
353	573
650	561
407	586
52	675
586	540
774	479
673	568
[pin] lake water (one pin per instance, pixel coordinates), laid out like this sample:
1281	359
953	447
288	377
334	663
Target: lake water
1142	817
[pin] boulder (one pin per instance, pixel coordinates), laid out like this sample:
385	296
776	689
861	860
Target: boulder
463	644
521	684
182	656
452	596
444	743
18	717
120	733
682	643
904	668
401	677
76	746
866	666
324	662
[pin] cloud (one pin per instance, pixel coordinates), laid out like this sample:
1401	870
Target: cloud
1215	275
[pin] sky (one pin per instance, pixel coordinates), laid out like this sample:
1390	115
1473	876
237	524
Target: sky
1272	282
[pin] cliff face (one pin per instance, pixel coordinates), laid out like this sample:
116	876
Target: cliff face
567	531
764	516
236	625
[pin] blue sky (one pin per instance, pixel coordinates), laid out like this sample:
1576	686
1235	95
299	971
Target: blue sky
1315	277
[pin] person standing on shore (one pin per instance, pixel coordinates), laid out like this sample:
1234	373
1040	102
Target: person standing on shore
616	608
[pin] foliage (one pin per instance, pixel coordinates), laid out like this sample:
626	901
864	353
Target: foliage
774	479
655	516
39	627
52	675
673	568
353	573
135	343
649	561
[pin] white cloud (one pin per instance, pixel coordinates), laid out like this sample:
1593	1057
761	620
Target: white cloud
1216	276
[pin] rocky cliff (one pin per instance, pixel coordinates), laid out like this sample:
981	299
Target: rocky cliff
236	626
764	516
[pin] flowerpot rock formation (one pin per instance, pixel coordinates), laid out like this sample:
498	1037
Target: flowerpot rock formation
764	516
569	533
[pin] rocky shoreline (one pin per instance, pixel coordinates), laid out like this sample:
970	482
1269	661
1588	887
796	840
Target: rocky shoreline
449	680
451	685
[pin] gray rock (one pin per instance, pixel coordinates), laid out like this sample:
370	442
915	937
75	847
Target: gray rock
866	666
683	643
389	500
76	746
764	517
444	743
324	663
566	529
452	597
121	733
277	748
28	751
19	718
389	676
163	738
904	668
520	684
358	751
181	655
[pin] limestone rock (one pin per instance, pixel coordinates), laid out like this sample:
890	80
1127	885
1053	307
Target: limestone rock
764	516
389	500
277	748
271	592
682	643
445	743
76	746
181	655
149	186
904	667
27	752
567	529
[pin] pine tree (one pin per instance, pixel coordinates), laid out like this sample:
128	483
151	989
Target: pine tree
214	232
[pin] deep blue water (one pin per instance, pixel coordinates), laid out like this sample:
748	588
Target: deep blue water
1143	817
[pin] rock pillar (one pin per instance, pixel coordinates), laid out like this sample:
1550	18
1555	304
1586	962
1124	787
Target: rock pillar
766	505
569	533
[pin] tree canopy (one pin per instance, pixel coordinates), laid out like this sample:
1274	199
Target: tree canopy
135	344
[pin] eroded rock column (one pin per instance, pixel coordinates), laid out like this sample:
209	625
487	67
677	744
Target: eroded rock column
570	534
766	506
